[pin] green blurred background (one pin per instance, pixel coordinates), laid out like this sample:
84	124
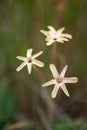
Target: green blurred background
24	104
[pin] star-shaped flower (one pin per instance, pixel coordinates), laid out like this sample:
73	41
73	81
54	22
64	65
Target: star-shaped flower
55	36
59	80
29	60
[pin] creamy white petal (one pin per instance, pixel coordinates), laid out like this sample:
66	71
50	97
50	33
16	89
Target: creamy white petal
37	54
29	66
65	90
62	74
51	82
52	29
49	42
55	90
38	63
60	31
62	39
51	34
21	66
66	35
70	80
21	58
44	32
48	38
54	71
29	52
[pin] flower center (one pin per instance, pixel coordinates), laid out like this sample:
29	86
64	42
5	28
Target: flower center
29	60
59	80
54	39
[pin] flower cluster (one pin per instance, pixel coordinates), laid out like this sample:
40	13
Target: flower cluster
55	36
30	60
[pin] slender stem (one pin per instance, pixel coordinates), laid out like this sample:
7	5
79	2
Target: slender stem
40	72
54	53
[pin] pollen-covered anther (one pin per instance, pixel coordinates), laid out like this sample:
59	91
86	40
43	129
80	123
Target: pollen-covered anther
59	80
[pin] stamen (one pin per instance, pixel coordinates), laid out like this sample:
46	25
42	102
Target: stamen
54	39
30	60
59	80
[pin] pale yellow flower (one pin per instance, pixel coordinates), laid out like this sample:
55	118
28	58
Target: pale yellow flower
59	80
29	60
55	36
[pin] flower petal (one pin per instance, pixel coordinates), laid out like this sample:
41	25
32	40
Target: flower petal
21	66
70	80
44	32
49	42
29	52
62	39
51	82
38	63
66	35
65	90
54	71
21	58
52	29
29	66
60	31
63	71
37	54
48	38
54	92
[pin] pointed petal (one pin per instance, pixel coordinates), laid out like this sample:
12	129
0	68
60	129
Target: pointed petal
38	63
62	39
51	82
21	58
63	71
54	92
29	52
65	90
54	71
37	54
21	66
29	66
49	42
70	80
48	38
66	35
44	32
52	29
60	31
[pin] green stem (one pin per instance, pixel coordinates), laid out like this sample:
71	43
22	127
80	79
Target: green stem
54	53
